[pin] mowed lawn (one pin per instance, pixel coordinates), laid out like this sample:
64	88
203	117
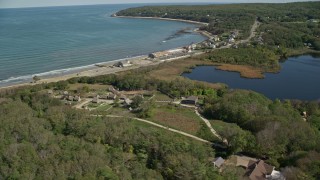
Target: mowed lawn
179	118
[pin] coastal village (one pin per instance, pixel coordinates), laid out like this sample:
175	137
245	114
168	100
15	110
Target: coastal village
143	117
109	101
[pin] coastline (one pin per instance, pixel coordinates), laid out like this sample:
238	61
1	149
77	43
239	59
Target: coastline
104	68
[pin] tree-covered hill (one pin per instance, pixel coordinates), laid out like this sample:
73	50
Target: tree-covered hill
292	23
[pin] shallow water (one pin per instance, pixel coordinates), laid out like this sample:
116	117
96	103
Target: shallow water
299	78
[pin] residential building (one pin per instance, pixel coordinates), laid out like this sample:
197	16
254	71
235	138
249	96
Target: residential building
218	162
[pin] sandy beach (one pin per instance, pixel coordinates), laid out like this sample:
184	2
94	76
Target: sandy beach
105	68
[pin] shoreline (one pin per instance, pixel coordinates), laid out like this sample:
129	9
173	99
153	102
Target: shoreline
104	68
165	19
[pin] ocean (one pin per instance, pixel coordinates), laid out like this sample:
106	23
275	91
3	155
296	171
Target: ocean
52	41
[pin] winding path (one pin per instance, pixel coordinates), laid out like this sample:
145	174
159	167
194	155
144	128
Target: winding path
160	126
86	101
214	132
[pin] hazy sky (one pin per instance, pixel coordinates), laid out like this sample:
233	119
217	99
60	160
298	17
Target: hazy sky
38	3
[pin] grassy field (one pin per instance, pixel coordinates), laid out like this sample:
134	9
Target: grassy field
170	70
183	119
103	107
177	117
119	111
162	97
218	125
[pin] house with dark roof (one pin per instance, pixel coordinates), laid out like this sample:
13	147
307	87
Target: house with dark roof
218	162
258	170
192	100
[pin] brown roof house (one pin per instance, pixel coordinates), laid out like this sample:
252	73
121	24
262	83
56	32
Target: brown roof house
218	162
192	100
259	170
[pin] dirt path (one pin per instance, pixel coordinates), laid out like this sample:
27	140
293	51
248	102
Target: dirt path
253	32
172	130
214	132
160	126
79	106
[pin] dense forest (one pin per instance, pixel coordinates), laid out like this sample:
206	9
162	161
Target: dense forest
259	56
289	25
41	138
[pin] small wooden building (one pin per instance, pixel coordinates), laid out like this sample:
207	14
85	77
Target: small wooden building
192	100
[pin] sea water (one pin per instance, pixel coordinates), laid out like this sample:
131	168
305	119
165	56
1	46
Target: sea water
57	40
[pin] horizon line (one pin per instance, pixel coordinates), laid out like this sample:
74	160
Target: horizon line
146	3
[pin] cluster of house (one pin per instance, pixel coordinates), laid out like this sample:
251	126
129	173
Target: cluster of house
64	95
112	95
232	37
215	42
68	97
255	169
